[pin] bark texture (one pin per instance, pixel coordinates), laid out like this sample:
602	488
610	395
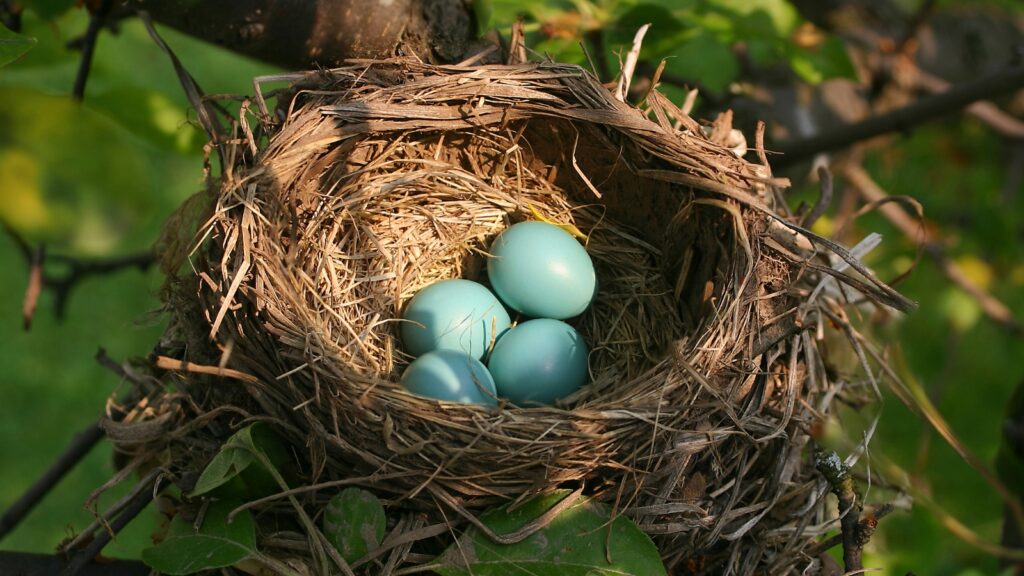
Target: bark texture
309	33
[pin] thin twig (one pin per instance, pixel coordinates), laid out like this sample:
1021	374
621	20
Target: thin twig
824	199
166	363
832	467
712	98
596	40
1008	80
866	526
626	75
62	285
96	21
990	305
133	509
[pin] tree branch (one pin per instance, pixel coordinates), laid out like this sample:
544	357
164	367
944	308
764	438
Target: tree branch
77	269
990	305
85	556
80	445
28	564
866	527
96	21
904	118
835	471
303	34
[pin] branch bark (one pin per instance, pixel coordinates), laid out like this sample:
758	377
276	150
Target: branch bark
835	471
28	564
80	445
904	118
303	34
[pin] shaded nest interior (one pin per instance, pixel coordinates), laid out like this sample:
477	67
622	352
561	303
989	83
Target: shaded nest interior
366	183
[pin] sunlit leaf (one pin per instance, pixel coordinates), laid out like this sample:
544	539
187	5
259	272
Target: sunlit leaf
216	544
151	116
660	38
13	46
814	65
703	58
759	17
577	542
236	458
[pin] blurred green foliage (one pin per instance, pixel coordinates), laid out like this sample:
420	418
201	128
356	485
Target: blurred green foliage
99	178
696	38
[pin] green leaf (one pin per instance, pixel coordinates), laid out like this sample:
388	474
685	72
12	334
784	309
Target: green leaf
254	443
227	464
13	46
354	523
573	544
216	544
659	41
758	17
704	58
829	60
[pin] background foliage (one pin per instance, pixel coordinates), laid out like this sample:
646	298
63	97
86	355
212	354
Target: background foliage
99	179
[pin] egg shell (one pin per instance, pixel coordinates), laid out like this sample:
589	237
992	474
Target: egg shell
450	375
453	315
542	271
538	362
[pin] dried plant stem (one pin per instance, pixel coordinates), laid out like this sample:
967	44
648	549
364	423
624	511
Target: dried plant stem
915	231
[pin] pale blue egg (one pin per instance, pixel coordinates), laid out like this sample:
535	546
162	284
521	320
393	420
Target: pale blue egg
450	375
542	271
538	362
453	315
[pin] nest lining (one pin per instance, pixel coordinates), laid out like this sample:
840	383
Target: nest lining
382	177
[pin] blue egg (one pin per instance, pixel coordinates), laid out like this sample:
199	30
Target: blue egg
542	271
539	361
450	375
453	315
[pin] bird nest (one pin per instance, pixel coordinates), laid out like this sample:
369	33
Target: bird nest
368	182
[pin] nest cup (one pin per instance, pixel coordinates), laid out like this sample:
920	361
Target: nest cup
369	182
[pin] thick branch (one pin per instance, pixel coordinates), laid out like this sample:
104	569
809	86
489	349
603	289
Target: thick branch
28	564
85	556
80	446
301	34
904	118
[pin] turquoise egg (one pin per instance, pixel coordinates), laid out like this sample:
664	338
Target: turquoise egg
542	271
450	375
453	315
539	361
